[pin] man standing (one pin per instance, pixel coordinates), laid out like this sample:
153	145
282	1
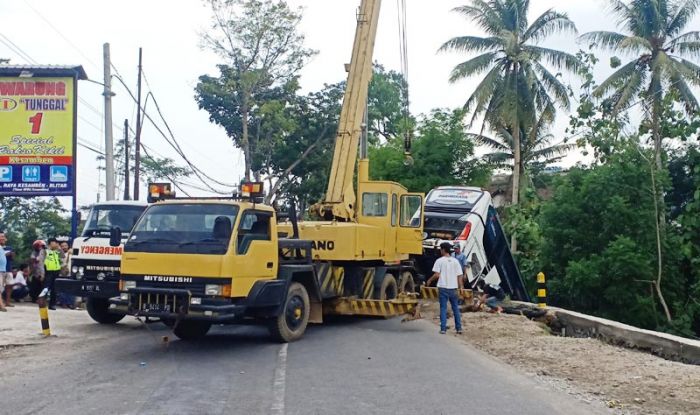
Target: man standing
6	272
450	275
37	269
66	300
461	258
52	264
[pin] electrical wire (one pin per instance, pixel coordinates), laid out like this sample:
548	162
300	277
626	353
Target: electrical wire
173	143
403	55
55	29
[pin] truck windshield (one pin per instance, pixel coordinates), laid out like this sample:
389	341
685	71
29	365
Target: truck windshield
184	228
104	217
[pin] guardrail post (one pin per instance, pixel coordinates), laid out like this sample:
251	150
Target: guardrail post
541	290
44	313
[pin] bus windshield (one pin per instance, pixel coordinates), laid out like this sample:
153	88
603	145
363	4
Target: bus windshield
184	228
105	217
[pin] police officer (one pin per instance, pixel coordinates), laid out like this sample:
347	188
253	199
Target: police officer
52	264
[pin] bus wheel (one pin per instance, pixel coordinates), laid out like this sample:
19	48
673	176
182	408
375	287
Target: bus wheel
291	323
98	310
407	285
389	289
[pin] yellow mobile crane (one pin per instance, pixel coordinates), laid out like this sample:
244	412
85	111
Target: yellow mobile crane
195	262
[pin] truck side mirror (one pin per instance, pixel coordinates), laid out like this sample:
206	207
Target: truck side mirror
115	236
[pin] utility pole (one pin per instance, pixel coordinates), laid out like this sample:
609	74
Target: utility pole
137	154
109	144
127	192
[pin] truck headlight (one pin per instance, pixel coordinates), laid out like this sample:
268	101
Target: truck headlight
195	300
126	285
212	289
74	269
124	296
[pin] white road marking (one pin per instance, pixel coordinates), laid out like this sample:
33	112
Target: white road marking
280	382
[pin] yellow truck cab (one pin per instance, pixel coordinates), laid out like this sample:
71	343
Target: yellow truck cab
195	262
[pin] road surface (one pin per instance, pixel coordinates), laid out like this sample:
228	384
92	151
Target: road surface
349	366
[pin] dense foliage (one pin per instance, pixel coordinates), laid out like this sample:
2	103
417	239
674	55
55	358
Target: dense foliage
616	235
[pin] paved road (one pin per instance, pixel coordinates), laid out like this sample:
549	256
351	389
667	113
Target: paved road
349	366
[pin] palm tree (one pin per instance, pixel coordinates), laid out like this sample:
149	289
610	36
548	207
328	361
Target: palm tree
537	151
661	58
517	85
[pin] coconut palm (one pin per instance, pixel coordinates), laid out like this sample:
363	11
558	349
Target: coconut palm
653	36
517	85
537	151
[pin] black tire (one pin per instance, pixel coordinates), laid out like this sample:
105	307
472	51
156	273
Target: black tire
98	309
389	288
291	323
191	330
407	284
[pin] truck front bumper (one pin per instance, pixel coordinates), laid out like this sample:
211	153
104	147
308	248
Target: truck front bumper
87	288
167	303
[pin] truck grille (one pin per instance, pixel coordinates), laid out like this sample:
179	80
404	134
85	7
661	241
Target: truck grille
193	288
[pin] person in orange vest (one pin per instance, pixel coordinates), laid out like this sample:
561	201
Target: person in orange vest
52	264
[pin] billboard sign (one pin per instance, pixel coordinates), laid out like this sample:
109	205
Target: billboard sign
37	126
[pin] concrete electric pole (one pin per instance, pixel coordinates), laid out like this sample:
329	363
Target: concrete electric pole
137	139
109	144
127	194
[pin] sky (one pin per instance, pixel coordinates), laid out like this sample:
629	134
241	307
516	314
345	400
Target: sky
73	32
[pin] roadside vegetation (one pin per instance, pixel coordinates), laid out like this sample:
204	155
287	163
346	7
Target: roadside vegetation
617	234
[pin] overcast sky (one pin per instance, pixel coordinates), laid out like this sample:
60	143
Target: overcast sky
73	31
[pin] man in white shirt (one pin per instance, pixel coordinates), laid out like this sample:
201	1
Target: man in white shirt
450	275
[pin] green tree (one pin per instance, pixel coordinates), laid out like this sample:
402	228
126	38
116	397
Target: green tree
653	35
298	164
153	168
600	241
263	52
536	149
26	219
386	102
517	86
690	237
443	153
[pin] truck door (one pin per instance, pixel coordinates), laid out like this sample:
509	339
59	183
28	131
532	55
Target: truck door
409	234
258	245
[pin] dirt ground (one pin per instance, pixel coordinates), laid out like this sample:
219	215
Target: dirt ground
629	381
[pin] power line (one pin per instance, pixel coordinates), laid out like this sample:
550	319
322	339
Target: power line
173	143
181	152
55	29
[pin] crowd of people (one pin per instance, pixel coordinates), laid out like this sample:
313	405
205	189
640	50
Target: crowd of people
26	281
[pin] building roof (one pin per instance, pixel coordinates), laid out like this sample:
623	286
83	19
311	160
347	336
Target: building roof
44	70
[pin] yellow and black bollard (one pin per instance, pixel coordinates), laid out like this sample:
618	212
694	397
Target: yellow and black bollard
541	290
44	315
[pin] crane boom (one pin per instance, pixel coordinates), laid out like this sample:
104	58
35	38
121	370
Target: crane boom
340	199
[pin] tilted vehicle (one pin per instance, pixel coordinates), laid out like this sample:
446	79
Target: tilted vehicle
466	216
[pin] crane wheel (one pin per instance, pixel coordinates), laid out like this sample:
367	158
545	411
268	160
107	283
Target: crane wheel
291	323
191	330
389	288
98	310
407	284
